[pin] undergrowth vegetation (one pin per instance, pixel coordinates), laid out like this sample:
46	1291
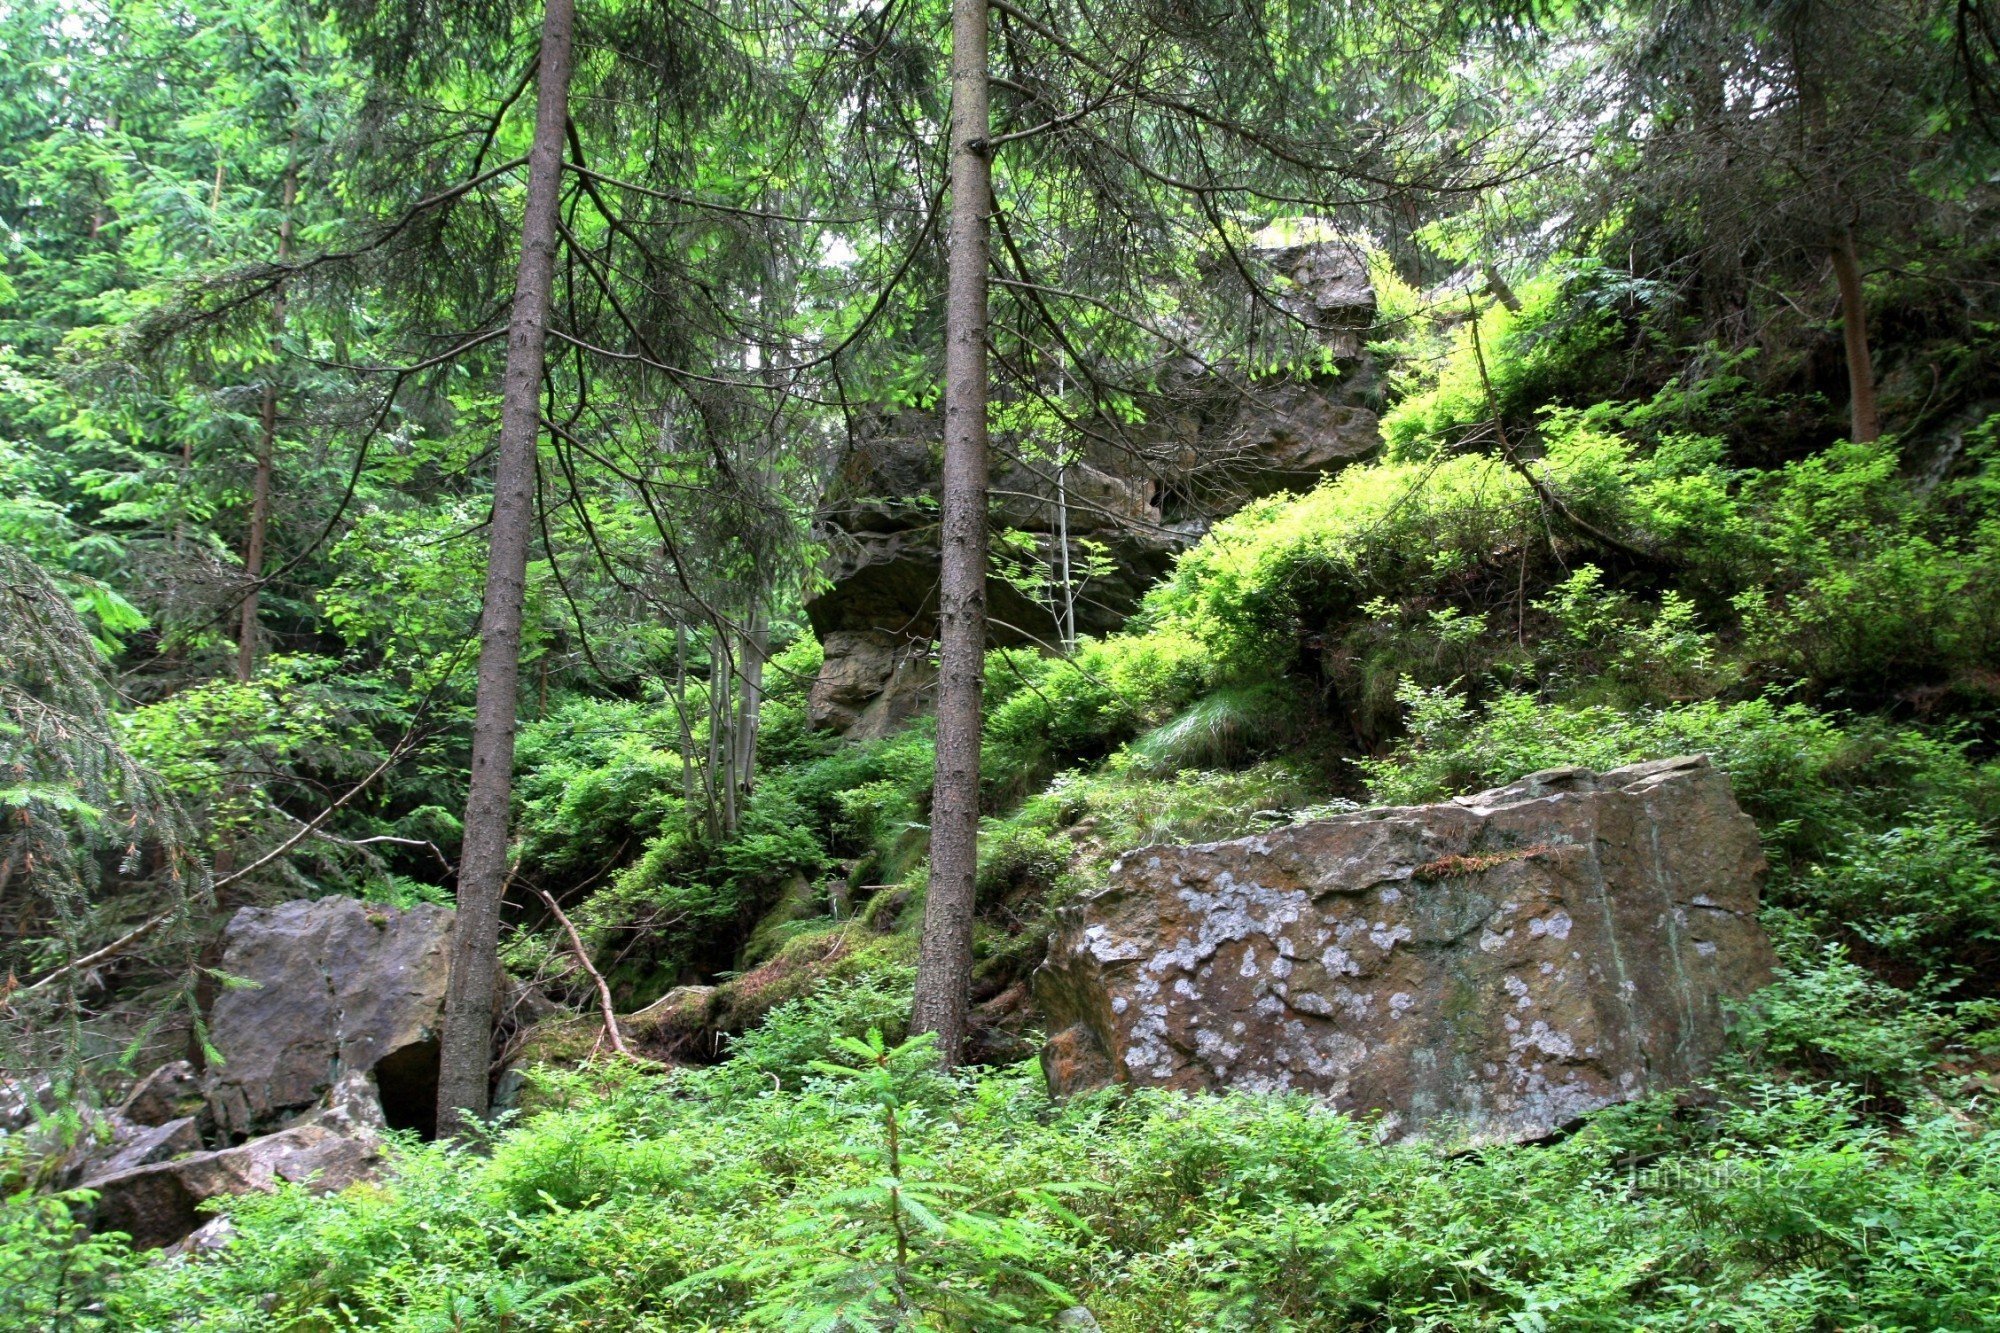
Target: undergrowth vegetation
773	1186
1380	405
1632	584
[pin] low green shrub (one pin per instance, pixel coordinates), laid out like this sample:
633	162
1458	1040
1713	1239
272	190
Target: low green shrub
596	776
1047	713
649	1204
54	1274
1829	1018
1926	891
903	1247
1560	343
1867	582
781	1051
864	794
602	798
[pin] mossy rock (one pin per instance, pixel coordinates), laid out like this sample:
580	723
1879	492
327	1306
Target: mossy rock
802	965
797	901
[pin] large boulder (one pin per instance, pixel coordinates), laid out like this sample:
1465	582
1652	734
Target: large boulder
335	985
1483	970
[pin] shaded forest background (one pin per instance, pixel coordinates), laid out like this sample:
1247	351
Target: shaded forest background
318	326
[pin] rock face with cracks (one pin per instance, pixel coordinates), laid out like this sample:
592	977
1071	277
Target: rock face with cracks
337	986
1088	519
1483	970
157	1200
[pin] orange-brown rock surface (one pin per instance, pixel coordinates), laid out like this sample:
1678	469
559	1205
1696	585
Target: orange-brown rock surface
1486	969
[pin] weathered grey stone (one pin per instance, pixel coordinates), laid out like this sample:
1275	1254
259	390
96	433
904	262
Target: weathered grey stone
1326	285
103	1143
25	1100
210	1237
870	682
158	1204
353	1107
142	1145
1483	970
168	1093
1288	435
1096	500
337	985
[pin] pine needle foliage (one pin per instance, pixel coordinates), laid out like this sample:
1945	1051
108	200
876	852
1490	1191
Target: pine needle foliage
905	1248
76	809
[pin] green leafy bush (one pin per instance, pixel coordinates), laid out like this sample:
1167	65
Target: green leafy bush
1601	641
1866	581
1828	1017
596	774
54	1274
781	1050
902	1248
1553	348
646	1204
1047	713
1926	891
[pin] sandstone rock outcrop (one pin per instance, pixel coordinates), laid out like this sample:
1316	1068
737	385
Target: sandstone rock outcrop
1483	970
328	1036
338	985
870	681
1129	497
157	1202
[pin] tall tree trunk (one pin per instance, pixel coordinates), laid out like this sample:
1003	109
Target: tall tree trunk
467	1044
725	724
267	436
755	648
1067	621
944	961
1865	421
686	735
714	782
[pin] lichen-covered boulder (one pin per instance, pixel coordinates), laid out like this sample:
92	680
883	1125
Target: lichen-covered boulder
336	985
1483	970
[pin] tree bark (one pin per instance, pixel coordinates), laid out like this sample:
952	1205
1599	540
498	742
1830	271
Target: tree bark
751	654
714	781
267	436
467	1044
1865	421
1068	608
944	962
